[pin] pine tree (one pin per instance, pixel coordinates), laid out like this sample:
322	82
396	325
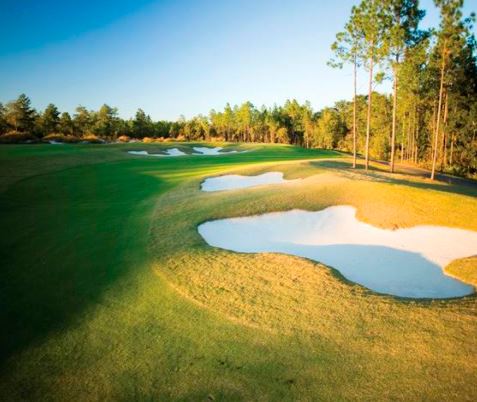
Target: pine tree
403	17
50	119
65	124
450	38
369	23
20	115
345	49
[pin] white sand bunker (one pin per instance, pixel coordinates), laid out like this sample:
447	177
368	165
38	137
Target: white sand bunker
168	152
403	262
213	151
234	181
200	151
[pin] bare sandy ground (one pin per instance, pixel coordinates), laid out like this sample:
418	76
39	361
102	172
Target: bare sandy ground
212	151
404	262
233	181
168	152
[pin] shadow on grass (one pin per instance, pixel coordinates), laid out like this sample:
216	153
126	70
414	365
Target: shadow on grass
71	235
67	237
381	174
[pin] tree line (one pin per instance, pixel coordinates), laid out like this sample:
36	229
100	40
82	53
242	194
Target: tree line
430	118
18	117
433	109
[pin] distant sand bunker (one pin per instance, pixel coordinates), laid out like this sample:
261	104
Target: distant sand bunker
200	151
403	262
213	151
168	152
233	181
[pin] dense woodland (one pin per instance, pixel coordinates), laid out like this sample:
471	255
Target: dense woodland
430	118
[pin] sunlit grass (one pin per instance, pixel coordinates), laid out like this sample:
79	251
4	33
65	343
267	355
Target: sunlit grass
464	269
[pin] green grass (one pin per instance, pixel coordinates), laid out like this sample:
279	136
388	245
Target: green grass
109	293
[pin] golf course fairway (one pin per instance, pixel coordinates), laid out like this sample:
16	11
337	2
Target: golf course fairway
108	291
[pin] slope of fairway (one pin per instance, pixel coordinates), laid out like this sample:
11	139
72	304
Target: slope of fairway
109	293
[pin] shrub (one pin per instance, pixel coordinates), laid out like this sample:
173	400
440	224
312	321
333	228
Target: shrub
147	140
92	139
123	138
15	137
56	137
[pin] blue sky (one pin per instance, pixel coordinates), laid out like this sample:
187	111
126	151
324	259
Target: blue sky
174	57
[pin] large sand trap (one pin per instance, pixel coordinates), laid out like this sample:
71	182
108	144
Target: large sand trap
168	152
212	151
233	181
403	262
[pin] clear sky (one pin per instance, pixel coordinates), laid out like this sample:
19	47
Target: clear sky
174	57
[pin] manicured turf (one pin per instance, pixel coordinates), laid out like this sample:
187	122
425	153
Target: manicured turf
108	292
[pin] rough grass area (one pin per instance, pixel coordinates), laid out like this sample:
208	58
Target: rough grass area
109	293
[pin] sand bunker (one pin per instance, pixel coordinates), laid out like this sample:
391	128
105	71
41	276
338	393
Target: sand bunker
139	153
233	181
403	262
212	151
174	152
201	151
168	152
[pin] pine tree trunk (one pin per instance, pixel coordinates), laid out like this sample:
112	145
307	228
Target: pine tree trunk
444	134
368	120
433	125
414	136
354	113
402	138
408	141
451	151
439	107
393	135
402	150
410	155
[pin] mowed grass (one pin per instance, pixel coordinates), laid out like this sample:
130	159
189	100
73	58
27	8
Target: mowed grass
109	293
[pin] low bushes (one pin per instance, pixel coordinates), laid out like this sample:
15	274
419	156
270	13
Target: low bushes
15	137
92	139
124	138
57	137
72	139
149	140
